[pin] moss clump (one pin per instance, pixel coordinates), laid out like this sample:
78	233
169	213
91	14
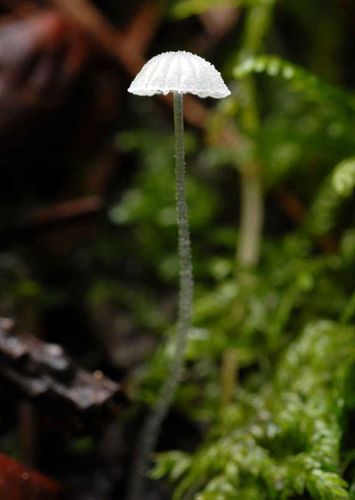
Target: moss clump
279	439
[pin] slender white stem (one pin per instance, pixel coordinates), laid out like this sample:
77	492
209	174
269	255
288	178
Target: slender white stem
151	428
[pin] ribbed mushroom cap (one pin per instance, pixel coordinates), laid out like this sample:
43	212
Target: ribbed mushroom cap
180	72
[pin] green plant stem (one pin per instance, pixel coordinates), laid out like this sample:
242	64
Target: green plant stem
252	203
251	223
151	428
229	374
251	182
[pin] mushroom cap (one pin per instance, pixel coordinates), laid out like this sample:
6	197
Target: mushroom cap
180	72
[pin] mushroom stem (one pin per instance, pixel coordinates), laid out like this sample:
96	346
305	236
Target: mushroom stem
185	258
150	432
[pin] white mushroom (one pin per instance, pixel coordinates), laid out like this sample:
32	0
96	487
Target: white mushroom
180	72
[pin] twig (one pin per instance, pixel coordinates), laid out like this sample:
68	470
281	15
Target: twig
43	371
